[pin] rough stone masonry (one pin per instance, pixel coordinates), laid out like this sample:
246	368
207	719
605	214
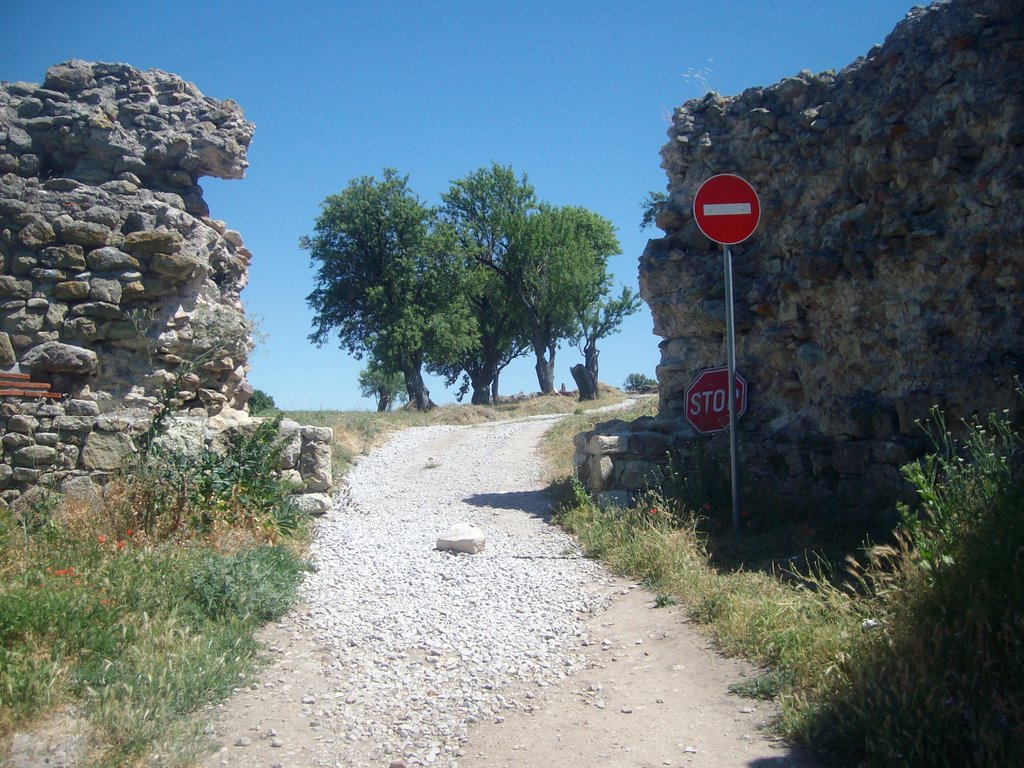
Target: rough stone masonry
885	276
115	283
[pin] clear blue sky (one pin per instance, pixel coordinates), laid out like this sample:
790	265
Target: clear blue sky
575	94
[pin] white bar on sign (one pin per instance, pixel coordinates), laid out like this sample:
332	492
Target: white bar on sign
727	209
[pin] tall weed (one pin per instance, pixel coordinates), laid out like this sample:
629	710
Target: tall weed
944	683
169	492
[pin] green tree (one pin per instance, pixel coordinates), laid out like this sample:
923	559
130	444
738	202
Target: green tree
499	338
639	383
260	401
485	209
599	320
557	267
384	386
552	262
385	280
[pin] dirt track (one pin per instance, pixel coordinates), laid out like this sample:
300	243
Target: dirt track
647	690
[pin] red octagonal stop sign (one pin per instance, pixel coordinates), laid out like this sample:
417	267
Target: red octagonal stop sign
727	209
707	400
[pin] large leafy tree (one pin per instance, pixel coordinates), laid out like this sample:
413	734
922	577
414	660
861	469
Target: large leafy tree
385	280
499	338
551	263
557	267
598	321
485	209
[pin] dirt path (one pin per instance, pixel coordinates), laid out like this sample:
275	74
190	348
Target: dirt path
647	690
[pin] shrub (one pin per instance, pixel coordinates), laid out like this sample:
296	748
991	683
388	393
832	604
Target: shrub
638	383
171	492
258	582
260	402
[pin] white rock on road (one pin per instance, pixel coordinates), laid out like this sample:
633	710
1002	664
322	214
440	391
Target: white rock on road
462	537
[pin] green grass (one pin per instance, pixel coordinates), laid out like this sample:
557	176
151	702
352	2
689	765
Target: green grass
139	633
912	654
144	609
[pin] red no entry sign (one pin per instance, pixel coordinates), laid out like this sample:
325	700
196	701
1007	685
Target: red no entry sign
726	209
707	400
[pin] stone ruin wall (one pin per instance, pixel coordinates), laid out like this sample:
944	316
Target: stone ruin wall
115	283
885	277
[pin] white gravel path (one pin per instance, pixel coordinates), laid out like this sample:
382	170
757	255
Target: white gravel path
422	642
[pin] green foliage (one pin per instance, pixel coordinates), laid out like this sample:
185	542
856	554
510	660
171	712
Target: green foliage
258	582
651	205
174	492
638	383
140	634
386	280
551	263
486	210
941	686
957	484
260	402
766	686
383	385
600	319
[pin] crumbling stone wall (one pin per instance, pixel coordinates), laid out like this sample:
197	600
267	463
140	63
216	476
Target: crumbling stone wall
116	287
887	271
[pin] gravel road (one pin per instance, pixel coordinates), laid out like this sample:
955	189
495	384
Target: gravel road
407	656
428	641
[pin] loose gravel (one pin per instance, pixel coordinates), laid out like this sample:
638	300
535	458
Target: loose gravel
421	642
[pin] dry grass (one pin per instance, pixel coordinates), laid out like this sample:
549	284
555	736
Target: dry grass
356	433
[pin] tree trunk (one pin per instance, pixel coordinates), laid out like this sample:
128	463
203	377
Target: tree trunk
545	367
494	388
585	383
482	375
383	400
481	388
419	396
590	354
545	376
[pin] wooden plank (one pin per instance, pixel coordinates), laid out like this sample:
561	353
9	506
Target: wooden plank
15	376
25	384
29	393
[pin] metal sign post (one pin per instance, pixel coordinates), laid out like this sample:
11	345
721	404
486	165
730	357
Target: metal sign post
730	333
727	211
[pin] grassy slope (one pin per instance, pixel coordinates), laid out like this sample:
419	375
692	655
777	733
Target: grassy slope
913	656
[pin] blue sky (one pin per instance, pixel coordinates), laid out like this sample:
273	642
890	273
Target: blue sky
575	94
